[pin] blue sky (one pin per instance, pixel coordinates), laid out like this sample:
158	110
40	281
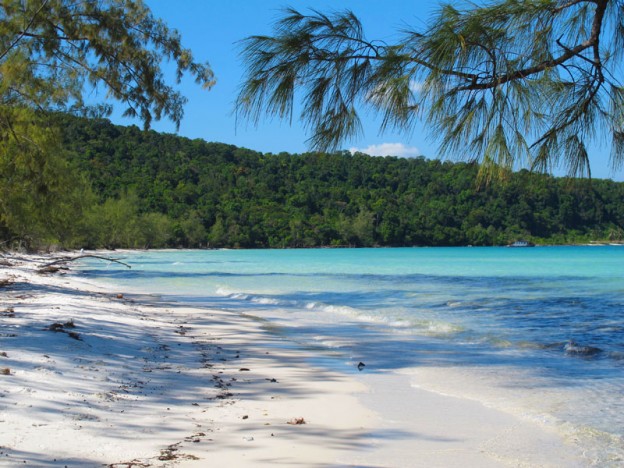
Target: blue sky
212	28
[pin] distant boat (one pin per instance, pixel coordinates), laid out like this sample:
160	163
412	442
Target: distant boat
522	243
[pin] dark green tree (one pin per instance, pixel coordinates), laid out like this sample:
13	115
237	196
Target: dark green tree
529	82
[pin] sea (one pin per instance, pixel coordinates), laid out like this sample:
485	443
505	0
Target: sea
536	332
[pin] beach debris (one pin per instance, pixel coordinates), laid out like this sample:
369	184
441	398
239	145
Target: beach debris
48	270
5	371
194	438
361	366
169	453
70	324
131	464
246	417
120	296
58	327
8	312
74	335
272	380
78	257
223	387
5	282
297	421
243	369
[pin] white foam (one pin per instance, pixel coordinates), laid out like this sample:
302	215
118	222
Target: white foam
555	407
266	301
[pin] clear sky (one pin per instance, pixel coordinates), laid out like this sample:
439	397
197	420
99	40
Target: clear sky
212	28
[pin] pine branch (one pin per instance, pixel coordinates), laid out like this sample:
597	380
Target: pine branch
24	32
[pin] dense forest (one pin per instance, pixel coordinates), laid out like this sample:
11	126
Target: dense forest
113	186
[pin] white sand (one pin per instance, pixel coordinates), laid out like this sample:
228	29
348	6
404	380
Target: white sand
155	384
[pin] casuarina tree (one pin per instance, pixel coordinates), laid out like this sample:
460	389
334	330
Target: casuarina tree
506	82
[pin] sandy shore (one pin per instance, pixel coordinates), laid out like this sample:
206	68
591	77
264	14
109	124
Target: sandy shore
91	376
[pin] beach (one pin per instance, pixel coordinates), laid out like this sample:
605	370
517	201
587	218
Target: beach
93	374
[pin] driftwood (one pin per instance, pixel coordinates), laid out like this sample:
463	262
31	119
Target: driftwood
71	259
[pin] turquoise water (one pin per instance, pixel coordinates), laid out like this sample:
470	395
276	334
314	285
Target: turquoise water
499	316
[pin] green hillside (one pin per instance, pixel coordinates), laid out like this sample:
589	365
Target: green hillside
145	189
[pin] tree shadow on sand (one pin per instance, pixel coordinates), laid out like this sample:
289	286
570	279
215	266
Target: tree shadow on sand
135	368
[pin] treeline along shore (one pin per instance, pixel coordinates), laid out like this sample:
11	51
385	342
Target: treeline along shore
110	186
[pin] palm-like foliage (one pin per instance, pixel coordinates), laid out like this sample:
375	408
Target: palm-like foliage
513	82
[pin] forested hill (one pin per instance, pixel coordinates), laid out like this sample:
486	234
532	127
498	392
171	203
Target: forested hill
220	195
145	189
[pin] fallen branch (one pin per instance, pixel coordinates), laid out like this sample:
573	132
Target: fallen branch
5	282
71	259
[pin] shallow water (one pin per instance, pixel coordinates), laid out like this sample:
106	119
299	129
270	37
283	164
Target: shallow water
492	324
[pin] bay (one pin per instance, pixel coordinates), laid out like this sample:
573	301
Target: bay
538	332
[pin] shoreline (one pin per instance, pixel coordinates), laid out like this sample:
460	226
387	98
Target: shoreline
151	383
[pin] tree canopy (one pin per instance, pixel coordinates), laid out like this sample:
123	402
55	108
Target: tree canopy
112	186
155	189
529	82
52	54
52	51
